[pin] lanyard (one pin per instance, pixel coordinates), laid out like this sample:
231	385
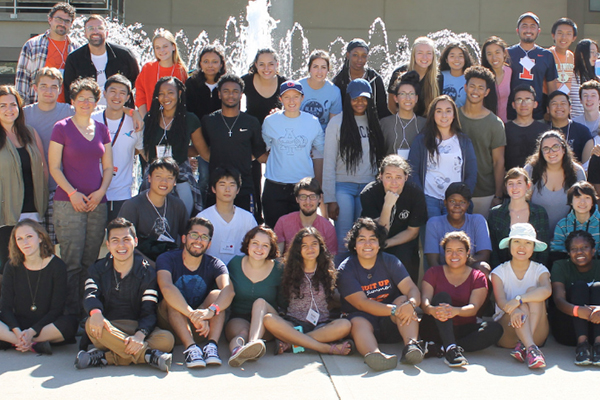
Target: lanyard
118	129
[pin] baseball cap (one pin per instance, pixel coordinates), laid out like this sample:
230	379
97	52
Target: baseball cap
290	85
359	87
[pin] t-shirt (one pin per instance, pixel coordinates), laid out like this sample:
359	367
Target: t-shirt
58	50
43	122
149	222
544	69
178	141
576	134
444	167
321	102
257	105
454	86
100	64
150	74
503	93
80	157
193	285
591	125
566	272
236	149
247	292
487	134
460	294
128	141
289	225
380	283
399	133
521	142
291	141
475	227
227	236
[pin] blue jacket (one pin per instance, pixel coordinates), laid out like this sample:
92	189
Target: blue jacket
569	224
417	158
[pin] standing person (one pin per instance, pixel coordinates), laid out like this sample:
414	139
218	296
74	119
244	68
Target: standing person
451	296
455	59
495	58
296	141
531	64
486	131
168	63
99	59
575	316
24	177
553	171
262	90
235	139
379	298
126	141
31	320
590	98
77	146
586	54
564	33
523	132
256	277
521	287
397	205
423	59
576	135
50	49
354	147
120	298
399	130
186	279
308	286
355	67
441	154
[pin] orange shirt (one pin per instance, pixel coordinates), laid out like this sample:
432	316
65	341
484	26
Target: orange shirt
150	74
57	55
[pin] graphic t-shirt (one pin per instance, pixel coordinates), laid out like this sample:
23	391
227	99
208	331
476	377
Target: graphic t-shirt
321	102
444	168
454	86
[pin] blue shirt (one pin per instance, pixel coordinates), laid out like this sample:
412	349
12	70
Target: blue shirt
454	86
321	102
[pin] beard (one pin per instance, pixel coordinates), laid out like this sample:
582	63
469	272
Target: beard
309	213
193	251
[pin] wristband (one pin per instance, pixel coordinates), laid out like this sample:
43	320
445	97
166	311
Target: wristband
72	193
215	307
95	311
394	307
130	112
576	311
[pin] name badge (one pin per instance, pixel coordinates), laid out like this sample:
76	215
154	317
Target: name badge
564	88
403	153
227	247
527	62
164	150
313	317
115	170
164	238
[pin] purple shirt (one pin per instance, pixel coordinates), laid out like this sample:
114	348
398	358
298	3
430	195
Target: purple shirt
80	157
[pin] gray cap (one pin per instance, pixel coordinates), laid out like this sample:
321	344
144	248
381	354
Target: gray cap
528	14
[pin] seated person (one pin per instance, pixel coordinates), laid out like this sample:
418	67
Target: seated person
256	278
577	135
120	298
451	296
379	298
159	218
230	221
30	321
458	197
309	195
575	318
185	278
521	287
308	286
397	205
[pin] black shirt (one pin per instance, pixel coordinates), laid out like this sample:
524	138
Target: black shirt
200	100
257	105
118	304
521	142
577	135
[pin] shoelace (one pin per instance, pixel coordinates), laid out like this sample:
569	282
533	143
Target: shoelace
210	350
96	357
193	352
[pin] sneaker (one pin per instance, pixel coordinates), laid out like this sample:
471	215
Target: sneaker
535	357
211	354
433	349
159	360
193	357
412	353
519	352
596	354
380	361
263	351
583	354
90	358
42	348
249	351
454	357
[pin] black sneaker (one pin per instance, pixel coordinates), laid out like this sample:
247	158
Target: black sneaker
42	348
412	353
596	355
91	358
211	354
159	360
583	354
454	357
193	357
433	349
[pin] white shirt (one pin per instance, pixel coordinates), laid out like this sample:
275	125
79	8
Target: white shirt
100	64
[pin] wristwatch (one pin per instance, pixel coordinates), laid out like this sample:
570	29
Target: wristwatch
519	299
213	309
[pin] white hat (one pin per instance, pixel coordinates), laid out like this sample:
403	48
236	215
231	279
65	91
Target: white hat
523	231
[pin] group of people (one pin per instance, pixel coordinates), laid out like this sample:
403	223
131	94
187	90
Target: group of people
457	157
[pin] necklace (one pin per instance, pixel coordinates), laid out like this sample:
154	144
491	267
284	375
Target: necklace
230	128
33	307
117	281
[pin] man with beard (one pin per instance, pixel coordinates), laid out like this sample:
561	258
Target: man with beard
189	308
99	60
531	64
235	139
309	195
49	49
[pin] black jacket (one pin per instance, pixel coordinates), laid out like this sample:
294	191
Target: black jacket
200	99
79	65
143	301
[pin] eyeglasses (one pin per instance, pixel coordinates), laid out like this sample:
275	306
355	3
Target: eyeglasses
303	197
64	21
85	99
524	101
553	149
195	236
409	95
100	28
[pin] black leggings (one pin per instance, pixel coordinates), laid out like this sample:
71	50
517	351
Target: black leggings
566	328
471	337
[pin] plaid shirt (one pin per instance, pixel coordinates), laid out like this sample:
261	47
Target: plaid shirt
33	58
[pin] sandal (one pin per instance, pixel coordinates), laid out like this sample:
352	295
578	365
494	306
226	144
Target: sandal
346	345
282	347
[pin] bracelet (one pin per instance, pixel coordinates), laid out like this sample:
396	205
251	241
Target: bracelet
131	112
72	193
95	311
411	303
394	307
215	307
576	311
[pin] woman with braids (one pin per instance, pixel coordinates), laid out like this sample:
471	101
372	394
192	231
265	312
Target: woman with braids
553	171
354	147
168	128
307	285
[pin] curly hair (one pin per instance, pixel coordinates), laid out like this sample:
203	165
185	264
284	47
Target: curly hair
15	255
251	234
445	66
538	162
461	237
370	225
585	235
293	272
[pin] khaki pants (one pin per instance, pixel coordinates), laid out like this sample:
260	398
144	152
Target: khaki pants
113	342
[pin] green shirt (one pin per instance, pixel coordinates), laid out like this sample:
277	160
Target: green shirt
566	272
179	147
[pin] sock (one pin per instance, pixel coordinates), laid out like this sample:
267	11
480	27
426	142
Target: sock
213	342
191	345
147	355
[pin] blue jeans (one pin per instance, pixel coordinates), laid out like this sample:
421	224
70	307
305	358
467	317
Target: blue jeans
435	207
348	199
